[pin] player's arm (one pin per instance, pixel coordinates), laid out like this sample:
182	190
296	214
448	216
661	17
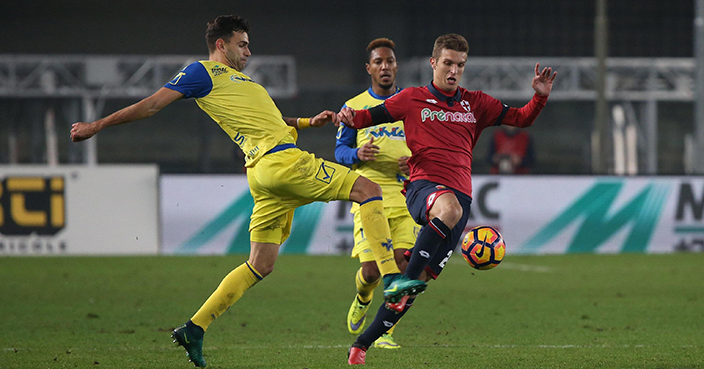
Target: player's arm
366	117
323	118
525	116
346	146
145	108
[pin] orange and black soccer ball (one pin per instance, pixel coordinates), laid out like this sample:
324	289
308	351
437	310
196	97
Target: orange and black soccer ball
483	247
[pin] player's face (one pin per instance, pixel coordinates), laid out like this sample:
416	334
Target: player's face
237	50
382	67
448	69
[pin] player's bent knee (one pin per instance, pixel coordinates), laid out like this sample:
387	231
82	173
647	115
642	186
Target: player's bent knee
371	277
449	212
364	189
370	272
265	270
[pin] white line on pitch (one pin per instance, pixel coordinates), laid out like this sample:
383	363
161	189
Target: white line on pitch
513	266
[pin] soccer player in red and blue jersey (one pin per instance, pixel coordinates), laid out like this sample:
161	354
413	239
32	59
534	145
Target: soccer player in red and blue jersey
442	123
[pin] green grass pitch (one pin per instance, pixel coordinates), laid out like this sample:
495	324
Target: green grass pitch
558	311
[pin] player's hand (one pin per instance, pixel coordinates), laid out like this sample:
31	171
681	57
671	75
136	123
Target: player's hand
403	166
346	116
368	151
82	131
542	82
323	118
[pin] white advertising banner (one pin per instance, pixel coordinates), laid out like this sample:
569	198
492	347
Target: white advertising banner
535	214
554	214
78	210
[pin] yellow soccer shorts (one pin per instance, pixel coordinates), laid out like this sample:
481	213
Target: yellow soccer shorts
285	180
404	232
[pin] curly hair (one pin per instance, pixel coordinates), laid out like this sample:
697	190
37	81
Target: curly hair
377	43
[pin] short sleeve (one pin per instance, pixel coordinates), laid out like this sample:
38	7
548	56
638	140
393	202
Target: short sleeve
192	81
396	105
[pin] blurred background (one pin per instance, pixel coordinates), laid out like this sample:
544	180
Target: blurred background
66	61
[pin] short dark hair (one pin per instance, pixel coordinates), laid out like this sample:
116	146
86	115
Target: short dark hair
222	27
450	41
377	43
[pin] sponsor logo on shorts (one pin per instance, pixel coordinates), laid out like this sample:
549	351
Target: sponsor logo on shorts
325	173
431	199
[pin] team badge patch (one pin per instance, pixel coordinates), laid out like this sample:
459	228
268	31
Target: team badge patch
325	173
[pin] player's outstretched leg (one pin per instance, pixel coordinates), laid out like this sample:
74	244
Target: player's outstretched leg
232	287
190	336
356	355
384	319
398	285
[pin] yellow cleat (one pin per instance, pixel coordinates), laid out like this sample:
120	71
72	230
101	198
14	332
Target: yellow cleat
386	341
357	316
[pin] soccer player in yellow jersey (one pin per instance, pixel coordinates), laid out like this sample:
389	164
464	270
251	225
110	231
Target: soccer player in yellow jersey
380	154
281	177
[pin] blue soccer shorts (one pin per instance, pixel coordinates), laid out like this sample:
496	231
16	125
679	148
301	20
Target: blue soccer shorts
420	198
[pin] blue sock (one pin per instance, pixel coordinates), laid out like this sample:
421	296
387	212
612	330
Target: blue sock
429	238
384	320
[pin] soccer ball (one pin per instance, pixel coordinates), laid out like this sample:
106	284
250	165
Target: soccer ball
483	248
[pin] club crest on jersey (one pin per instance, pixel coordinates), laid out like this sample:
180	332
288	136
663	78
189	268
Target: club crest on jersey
447	116
465	105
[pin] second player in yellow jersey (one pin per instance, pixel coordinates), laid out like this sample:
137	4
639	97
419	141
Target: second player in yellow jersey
380	154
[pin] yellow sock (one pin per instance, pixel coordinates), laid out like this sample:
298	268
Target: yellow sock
376	229
365	290
228	292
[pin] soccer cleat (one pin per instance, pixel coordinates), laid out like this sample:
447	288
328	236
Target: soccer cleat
386	341
397	285
357	316
187	337
399	306
356	355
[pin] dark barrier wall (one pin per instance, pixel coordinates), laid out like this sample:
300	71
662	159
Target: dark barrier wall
328	39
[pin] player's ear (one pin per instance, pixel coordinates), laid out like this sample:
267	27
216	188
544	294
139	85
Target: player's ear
432	62
369	68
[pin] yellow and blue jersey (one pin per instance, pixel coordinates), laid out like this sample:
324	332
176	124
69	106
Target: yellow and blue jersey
390	138
242	108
